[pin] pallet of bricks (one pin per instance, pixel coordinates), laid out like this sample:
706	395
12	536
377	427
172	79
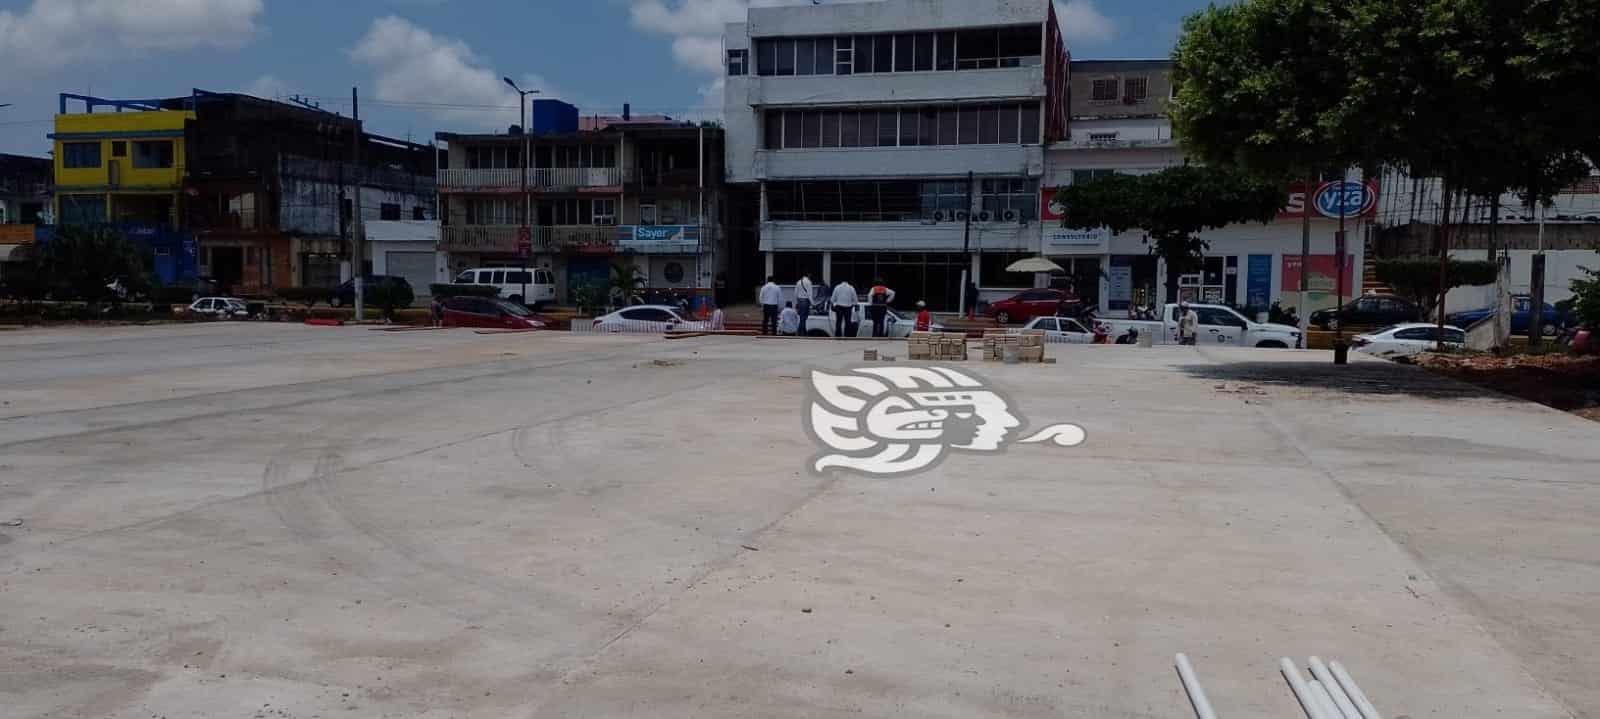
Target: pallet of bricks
1028	345
951	346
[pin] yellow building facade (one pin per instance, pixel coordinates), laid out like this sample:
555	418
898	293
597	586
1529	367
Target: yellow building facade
122	166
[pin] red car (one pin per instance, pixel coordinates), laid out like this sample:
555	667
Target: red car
1028	304
488	312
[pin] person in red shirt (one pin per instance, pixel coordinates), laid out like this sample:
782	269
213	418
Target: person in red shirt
924	320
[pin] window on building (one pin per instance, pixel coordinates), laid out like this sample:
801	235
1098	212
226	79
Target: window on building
738	62
865	49
888	131
947	126
82	209
79	155
849	129
766	57
792	129
941	199
869	128
785	56
1009	124
811	129
969	125
388	211
928	126
988	125
923	52
419	213
1103	90
992	269
1080	177
945	55
830	129
805	56
904	53
1030	124
976	49
119	148
1010	195
822	54
605	211
1136	89
883	53
773	130
844	55
910	123
1018	46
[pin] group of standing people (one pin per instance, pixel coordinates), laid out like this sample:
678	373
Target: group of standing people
790	318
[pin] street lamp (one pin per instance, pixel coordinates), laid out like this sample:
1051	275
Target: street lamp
524	233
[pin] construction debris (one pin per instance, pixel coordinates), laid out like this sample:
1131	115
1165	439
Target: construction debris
1002	346
942	346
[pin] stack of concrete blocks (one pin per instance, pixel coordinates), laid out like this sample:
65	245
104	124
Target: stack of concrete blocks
1028	345
945	346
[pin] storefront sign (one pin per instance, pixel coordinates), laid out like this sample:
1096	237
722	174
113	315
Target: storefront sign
1258	282
1051	209
1070	241
1324	273
1360	199
659	239
1119	293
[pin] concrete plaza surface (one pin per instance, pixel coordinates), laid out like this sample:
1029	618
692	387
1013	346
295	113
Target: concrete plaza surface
283	521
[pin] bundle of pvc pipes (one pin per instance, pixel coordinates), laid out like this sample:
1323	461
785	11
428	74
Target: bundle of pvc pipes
1330	694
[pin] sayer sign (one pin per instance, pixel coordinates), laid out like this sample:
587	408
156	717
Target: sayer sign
1360	200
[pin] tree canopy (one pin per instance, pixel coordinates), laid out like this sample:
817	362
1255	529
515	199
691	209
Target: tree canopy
1172	207
81	263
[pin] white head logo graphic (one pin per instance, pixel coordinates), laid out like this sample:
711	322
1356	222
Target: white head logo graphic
894	420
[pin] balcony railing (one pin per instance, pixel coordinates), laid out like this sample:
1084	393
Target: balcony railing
539	179
503	238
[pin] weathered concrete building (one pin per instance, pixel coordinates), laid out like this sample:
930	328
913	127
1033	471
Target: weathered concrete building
24	199
642	192
271	190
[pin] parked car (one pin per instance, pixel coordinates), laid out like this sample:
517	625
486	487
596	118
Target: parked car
647	318
489	312
345	295
894	325
1368	310
1028	304
1521	316
221	308
1219	325
1407	340
1061	329
523	285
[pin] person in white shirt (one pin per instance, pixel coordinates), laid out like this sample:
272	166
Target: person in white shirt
788	320
770	297
802	297
844	306
1188	324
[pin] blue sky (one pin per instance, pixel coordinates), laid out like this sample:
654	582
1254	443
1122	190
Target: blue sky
422	65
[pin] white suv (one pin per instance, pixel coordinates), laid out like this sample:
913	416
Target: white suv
539	284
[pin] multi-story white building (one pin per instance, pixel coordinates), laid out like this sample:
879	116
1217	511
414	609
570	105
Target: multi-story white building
890	138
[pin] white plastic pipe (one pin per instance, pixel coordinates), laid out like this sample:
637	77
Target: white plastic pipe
1331	685
1297	684
1197	693
1324	700
1368	711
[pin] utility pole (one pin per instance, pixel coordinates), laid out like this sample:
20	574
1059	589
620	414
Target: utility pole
357	231
1339	350
525	231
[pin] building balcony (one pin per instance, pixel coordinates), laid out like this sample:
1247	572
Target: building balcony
1011	83
898	236
540	179
502	239
879	162
1116	144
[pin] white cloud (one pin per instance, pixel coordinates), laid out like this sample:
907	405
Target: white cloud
51	34
1082	22
412	65
687	17
267	86
697	52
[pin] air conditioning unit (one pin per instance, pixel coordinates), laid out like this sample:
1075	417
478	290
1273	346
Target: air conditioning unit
1009	216
985	216
938	216
961	216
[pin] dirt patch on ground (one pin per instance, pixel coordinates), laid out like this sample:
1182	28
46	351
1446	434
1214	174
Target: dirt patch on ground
1563	382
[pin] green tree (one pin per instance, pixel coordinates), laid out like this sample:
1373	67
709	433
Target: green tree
81	262
1172	207
626	283
1586	298
1417	278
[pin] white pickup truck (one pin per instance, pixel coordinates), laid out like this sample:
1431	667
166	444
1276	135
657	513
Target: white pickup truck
1219	325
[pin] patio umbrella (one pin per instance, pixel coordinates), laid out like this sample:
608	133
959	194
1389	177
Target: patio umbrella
1034	264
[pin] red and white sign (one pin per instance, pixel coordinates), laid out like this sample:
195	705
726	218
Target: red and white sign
1360	200
1048	208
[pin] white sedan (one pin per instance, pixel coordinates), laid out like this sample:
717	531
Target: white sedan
1065	330
894	325
647	319
219	308
1407	340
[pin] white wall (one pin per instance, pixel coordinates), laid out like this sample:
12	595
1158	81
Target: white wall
1142	129
891	16
1060	160
1020	83
1561	267
867	162
897	236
